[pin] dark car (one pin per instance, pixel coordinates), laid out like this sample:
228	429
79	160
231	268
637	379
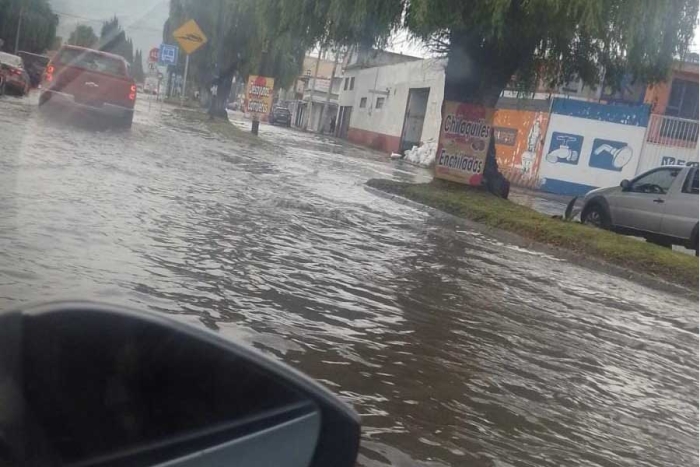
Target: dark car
90	81
16	79
35	66
281	116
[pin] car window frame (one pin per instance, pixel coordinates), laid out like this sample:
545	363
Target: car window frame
687	184
651	172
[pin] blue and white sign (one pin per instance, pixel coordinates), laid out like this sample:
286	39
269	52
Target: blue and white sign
610	155
565	149
168	54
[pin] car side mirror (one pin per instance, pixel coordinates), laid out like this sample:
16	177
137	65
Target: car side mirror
94	385
625	185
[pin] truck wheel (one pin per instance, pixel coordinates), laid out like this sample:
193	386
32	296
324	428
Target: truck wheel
127	121
596	216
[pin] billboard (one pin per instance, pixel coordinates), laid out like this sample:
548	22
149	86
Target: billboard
259	92
464	142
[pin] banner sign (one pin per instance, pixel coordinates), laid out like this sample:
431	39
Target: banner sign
259	93
464	142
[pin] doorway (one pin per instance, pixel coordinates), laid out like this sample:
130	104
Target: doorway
343	123
415	116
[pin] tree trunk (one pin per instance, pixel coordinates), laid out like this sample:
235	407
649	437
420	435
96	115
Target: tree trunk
477	72
217	109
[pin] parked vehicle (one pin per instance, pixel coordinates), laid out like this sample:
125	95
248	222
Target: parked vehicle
90	81
15	76
280	116
35	66
660	205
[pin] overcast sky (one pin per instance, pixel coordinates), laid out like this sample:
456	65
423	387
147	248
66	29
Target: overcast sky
142	19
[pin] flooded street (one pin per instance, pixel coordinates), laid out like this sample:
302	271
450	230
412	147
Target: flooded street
456	349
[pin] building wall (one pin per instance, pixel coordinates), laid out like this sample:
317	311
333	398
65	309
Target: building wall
520	137
591	145
325	68
657	95
347	97
382	128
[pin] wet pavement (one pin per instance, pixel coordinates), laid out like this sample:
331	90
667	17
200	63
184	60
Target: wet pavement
456	349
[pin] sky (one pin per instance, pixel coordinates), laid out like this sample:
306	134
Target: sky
141	19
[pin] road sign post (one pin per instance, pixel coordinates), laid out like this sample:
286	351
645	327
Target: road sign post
191	38
184	81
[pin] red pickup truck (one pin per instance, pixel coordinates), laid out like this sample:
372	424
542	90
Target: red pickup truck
91	81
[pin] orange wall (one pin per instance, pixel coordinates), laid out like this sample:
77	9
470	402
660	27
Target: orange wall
658	94
528	141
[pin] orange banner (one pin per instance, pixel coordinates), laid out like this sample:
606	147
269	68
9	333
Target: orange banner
259	93
464	143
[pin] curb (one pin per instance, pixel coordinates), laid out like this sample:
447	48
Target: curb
579	259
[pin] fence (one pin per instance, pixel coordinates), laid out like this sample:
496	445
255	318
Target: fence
668	141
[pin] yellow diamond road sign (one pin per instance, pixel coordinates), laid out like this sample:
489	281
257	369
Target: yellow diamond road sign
190	37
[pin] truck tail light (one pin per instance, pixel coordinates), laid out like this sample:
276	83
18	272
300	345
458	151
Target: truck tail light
132	94
48	76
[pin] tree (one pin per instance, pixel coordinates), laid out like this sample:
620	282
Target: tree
137	67
243	40
39	25
113	40
488	42
83	36
271	37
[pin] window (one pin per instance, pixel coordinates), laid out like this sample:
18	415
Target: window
683	100
363	102
380	103
352	83
345	87
308	72
92	61
691	183
657	182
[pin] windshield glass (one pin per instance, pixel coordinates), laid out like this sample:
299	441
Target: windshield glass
12	60
91	61
474	222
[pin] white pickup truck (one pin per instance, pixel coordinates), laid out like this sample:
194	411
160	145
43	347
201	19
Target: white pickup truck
660	205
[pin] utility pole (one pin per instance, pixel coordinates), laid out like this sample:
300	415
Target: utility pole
19	27
319	129
313	91
261	72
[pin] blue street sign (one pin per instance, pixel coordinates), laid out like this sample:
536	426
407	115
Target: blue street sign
168	54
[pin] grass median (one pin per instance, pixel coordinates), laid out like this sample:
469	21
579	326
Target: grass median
480	206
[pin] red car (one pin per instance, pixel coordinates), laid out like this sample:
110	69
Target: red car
15	78
90	81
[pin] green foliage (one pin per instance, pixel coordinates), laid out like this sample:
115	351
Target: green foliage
137	67
557	40
271	37
38	25
83	36
113	40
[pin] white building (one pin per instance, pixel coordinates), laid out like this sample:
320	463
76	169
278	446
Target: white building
392	107
299	109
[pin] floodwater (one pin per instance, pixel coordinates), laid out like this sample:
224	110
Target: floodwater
456	349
